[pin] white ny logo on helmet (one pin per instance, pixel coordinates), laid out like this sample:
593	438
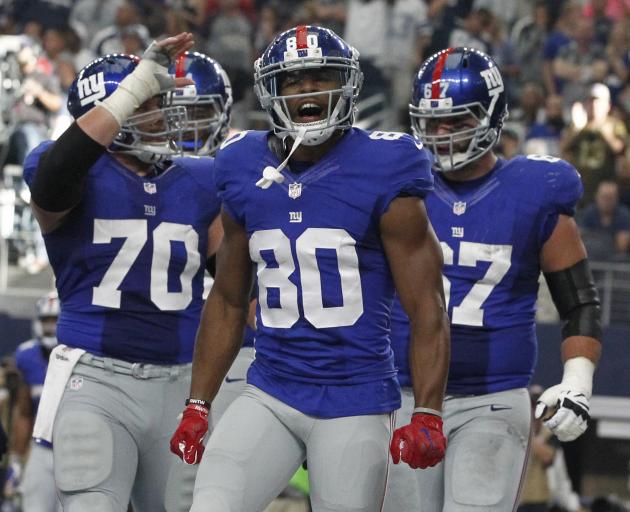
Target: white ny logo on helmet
494	82
92	88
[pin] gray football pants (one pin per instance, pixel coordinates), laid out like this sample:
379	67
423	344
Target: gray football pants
260	442
38	485
111	438
488	438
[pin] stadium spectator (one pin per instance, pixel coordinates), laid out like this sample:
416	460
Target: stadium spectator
529	35
594	141
606	223
543	137
560	36
580	62
110	39
473	32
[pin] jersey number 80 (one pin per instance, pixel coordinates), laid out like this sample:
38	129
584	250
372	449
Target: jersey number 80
277	276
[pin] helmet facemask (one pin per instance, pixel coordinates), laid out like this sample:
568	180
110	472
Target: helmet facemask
153	135
459	147
207	122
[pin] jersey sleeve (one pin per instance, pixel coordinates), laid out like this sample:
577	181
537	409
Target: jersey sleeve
202	171
409	172
228	181
564	189
32	161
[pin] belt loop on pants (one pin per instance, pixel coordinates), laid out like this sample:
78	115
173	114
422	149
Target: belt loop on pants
108	365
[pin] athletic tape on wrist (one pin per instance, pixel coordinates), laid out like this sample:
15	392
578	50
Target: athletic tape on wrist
578	374
426	410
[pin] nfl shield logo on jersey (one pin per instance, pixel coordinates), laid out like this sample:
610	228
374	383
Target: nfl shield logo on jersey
150	188
459	207
295	190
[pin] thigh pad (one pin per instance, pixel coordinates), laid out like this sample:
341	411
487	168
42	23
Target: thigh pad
83	451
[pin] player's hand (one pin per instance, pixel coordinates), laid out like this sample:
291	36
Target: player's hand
161	55
186	442
421	444
564	411
13	477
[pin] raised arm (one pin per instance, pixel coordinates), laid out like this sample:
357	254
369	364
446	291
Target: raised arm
415	260
61	171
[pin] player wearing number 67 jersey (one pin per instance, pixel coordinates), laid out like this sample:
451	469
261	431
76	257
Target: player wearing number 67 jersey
500	223
333	219
128	226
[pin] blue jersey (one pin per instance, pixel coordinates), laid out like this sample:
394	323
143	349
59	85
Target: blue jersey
31	358
492	231
128	259
324	285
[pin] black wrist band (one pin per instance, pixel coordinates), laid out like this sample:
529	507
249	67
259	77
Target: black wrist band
198	401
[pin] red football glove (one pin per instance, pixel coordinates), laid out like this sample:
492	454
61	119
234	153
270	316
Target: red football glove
186	442
420	444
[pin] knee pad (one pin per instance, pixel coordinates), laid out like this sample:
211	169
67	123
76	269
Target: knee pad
82	451
179	487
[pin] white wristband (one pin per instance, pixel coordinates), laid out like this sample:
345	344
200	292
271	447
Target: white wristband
134	90
578	375
426	410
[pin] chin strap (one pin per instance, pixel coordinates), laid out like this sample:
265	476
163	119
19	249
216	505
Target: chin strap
272	174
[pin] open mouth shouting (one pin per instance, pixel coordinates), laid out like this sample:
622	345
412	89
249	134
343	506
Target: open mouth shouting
309	112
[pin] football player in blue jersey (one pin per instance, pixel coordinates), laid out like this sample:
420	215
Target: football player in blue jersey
333	219
500	223
126	227
37	484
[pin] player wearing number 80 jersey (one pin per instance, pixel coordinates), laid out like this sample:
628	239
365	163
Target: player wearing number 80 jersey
323	234
499	224
127	228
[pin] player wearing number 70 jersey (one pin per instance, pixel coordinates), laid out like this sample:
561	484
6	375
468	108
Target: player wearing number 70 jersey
332	218
127	228
500	223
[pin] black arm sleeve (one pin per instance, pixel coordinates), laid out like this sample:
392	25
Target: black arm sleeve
58	184
575	296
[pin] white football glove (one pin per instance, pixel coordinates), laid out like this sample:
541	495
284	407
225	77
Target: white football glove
569	400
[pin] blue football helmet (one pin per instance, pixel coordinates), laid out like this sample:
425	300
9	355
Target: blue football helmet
44	326
303	48
458	83
208	102
151	135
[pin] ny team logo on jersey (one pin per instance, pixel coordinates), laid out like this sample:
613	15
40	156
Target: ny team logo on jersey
91	88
